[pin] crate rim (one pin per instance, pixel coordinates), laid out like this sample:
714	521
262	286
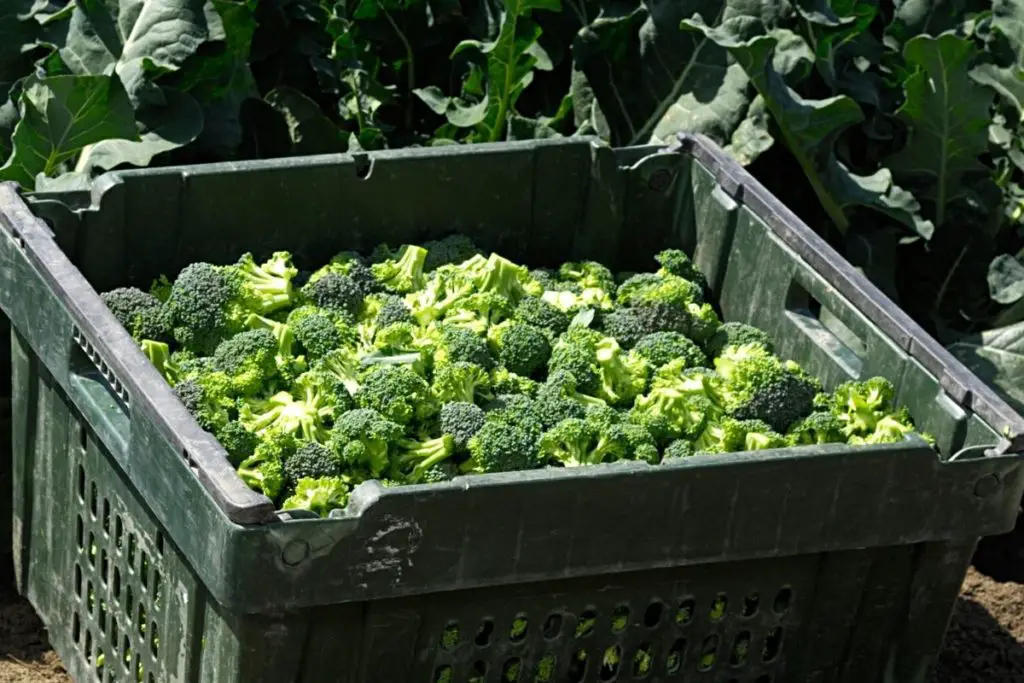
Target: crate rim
243	506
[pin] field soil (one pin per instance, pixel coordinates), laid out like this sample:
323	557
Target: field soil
985	642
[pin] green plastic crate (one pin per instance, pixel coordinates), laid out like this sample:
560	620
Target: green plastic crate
149	560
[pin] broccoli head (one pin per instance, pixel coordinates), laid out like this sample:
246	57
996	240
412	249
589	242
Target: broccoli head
364	439
403	272
318	332
306	411
311	460
587	274
460	381
662	348
654	288
760	436
141	313
860	405
263	471
760	386
205	307
737	334
632	324
211	409
522	348
516	409
722	435
622	376
502	446
414	458
679	448
454	248
462	420
386	309
334	292
503	381
676	262
267	287
398	393
535	311
458	344
238	441
319	495
249	359
817	428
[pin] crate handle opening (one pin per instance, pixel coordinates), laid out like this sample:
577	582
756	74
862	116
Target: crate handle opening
827	329
98	393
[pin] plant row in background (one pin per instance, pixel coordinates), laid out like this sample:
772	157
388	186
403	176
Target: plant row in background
424	363
901	118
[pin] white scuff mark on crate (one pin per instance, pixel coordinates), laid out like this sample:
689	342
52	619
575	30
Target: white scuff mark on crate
393	546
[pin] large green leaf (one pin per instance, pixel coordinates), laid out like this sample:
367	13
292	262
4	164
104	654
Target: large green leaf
652	80
310	130
931	17
997	357
843	46
948	117
810	129
60	115
136	39
16	31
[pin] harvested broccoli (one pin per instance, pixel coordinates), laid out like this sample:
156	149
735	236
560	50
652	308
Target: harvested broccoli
520	411
397	393
622	376
312	460
454	248
817	428
737	334
658	289
631	325
505	382
457	344
502	446
461	382
249	359
401	273
238	441
263	471
306	411
343	364
676	262
680	448
535	311
334	292
760	386
205	308
415	458
587	274
364	439
462	420
319	495
522	348
266	287
141	313
316	331
661	348
387	309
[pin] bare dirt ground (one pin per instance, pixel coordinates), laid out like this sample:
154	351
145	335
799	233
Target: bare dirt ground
985	642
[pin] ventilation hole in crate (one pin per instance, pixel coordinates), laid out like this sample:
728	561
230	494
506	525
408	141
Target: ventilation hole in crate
610	663
104	567
450	637
510	673
83	437
750	604
553	626
101	659
126	651
684	614
129	601
652	617
772	644
80	532
117	584
88	643
92	549
78	580
708	653
740	649
144	570
102	619
676	656
150	678
718	607
115	632
160	544
782	600
76	627
154	639
106	517
478	673
484	633
545	672
517	633
643	660
577	667
132	544
620	618
81	484
443	674
157	588
90	598
118	532
141	619
586	623
94	497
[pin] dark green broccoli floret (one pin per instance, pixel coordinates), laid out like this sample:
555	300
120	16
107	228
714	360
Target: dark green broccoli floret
401	273
680	448
676	262
724	435
397	393
391	309
462	421
249	359
344	365
522	348
572	443
630	325
737	334
557	400
760	386
209	409
334	292
311	460
817	428
364	439
656	288
264	470
451	249
516	409
760	436
463	382
661	348
504	381
503	447
317	333
205	308
541	314
459	344
576	353
587	274
141	313
238	441
319	495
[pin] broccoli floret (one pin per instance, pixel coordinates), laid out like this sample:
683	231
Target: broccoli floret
209	410
451	249
317	332
263	471
669	412
817	428
319	495
141	313
462	420
457	344
397	393
535	311
364	439
680	448
503	381
479	310
334	292
558	398
704	322
414	458
387	309
760	436
630	325
342	263
306	411
343	364
891	428
403	274
661	348
640	443
205	307
572	443
623	376
312	460
737	334
760	386
462	382
249	359
860	405
501	276
570	298
266	287
159	354
522	348
676	262
725	435
289	366
238	441
502	446
576	353
516	409
587	274
654	288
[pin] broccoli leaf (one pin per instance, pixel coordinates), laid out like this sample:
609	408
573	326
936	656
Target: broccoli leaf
997	357
60	115
948	116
